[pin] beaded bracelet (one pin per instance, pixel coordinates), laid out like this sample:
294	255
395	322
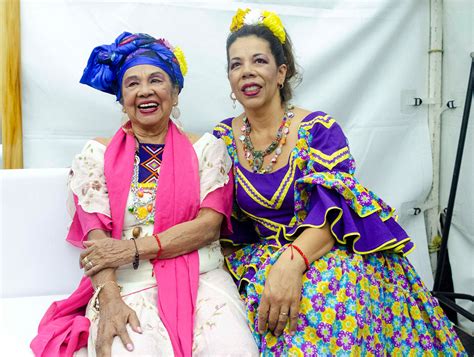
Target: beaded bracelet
298	249
160	249
136	259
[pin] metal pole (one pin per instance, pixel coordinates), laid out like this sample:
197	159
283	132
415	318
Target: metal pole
454	183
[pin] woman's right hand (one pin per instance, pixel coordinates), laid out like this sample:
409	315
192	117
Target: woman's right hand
114	315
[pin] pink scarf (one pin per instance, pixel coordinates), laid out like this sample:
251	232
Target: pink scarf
64	329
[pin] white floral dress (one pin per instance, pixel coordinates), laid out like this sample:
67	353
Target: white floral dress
220	322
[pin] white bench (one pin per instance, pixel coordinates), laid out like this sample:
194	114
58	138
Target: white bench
37	266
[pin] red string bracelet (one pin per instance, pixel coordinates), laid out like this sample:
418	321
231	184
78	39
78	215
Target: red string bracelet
298	249
159	245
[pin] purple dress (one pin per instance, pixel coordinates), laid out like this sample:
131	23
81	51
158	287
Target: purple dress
361	298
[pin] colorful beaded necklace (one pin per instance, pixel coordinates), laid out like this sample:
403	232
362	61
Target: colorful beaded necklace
255	157
143	198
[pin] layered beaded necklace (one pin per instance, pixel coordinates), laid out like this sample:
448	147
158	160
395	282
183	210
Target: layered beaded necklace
255	157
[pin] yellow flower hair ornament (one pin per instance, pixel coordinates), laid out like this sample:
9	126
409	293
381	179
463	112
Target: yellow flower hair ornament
266	18
179	54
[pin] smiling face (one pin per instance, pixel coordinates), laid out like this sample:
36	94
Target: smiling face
148	96
253	73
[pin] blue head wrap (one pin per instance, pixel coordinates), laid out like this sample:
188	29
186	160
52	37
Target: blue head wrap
107	63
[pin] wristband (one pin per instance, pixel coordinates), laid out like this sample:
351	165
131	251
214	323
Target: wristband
160	249
99	288
136	259
298	249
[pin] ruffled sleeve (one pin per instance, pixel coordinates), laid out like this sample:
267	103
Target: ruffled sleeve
216	184
329	192
88	201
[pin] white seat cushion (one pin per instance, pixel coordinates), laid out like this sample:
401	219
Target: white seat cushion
20	317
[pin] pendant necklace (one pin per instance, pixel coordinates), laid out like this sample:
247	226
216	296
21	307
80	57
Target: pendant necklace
255	157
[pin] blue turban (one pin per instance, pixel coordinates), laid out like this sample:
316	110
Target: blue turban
107	63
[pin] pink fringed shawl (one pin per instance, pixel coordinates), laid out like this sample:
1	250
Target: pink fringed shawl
64	329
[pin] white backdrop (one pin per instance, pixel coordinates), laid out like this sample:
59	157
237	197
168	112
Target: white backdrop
360	59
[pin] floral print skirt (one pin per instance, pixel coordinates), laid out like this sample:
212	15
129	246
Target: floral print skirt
351	305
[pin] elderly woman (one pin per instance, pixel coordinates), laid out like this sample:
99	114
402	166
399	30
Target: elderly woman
149	206
321	263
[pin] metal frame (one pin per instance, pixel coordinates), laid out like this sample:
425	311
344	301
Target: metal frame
445	297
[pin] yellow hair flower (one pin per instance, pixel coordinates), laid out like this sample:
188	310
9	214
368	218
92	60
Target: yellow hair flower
266	18
273	22
179	54
238	19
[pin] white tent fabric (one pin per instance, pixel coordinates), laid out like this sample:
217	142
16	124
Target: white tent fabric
361	61
458	43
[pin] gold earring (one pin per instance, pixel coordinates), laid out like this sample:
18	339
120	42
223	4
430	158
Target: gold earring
123	110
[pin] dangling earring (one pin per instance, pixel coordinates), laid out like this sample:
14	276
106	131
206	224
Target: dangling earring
233	98
175	112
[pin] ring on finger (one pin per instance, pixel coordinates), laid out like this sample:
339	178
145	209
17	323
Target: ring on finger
284	313
90	265
85	261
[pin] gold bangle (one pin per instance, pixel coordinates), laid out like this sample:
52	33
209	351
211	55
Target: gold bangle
99	288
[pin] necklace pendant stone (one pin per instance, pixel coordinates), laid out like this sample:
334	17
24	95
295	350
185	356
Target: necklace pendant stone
257	163
242	137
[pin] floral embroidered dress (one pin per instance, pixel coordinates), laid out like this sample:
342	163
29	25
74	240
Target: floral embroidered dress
362	298
219	309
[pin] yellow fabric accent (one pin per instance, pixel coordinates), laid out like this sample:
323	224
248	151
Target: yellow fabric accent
391	245
316	155
282	190
320	119
147	185
349	195
273	226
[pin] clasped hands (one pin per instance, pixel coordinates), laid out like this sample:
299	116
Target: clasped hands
105	253
115	314
280	298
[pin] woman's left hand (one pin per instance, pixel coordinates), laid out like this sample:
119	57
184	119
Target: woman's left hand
281	295
106	253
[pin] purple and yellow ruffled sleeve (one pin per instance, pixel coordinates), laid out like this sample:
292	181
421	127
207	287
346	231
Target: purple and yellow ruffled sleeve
328	192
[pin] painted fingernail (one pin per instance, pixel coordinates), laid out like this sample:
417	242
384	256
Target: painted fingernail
129	347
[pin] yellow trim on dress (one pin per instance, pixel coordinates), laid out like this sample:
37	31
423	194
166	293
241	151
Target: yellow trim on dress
316	155
320	119
281	192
